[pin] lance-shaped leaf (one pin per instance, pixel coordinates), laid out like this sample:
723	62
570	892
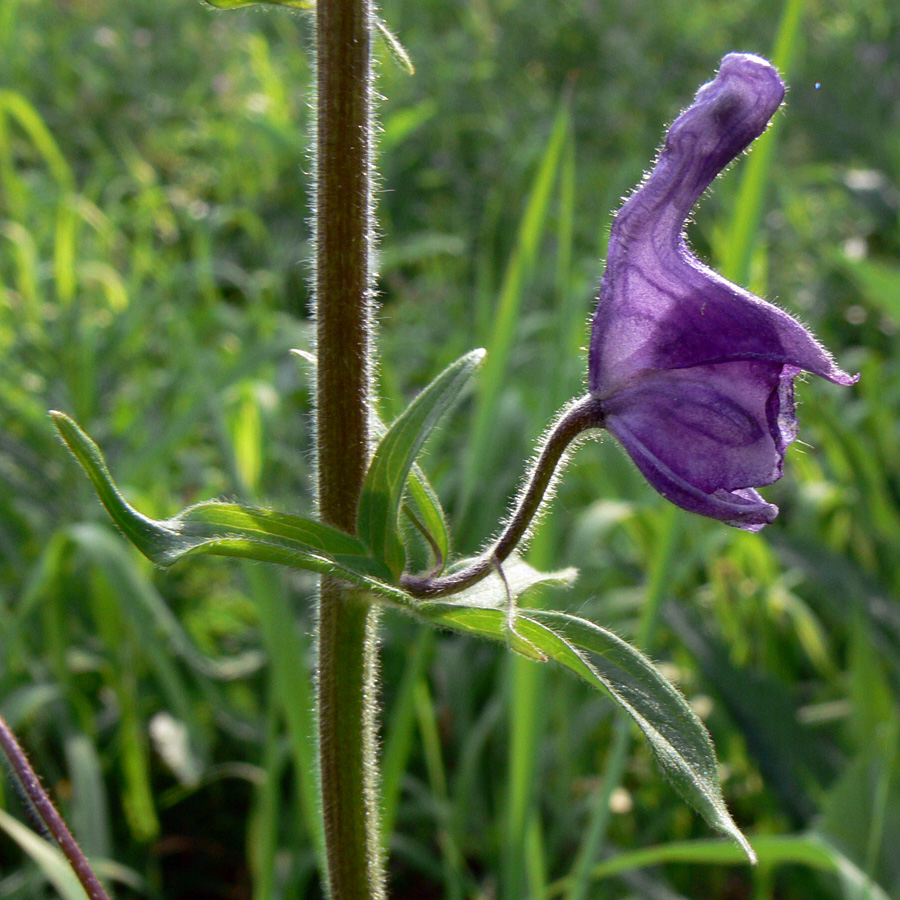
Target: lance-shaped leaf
424	507
677	737
228	529
382	490
427	513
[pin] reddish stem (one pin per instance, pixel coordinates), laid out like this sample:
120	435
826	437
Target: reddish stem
46	811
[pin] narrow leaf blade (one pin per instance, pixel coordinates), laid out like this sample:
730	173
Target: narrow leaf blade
425	502
677	737
397	49
238	4
679	740
228	529
430	512
53	865
392	461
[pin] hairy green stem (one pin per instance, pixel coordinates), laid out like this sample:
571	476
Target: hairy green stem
579	416
46	812
346	634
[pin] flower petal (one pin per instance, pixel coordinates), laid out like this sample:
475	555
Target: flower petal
659	306
742	508
688	315
720	427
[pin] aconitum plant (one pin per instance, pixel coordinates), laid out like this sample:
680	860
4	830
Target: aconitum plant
692	374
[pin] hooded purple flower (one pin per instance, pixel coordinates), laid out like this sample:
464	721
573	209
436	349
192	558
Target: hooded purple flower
696	375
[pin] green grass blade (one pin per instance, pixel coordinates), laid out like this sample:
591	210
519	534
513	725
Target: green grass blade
659	579
382	490
288	649
90	811
744	227
18	108
506	315
399	731
262	841
239	4
527	684
452	858
771	850
137	793
151	616
53	865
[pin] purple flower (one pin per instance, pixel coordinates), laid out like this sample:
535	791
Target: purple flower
696	375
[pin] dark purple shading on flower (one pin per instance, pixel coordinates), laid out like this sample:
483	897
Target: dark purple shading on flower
695	374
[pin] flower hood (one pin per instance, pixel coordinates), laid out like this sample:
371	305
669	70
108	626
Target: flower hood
695	374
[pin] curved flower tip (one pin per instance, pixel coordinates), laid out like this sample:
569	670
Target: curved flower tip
695	374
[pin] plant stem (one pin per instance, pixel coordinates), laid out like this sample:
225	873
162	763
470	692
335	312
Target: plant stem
46	811
579	416
347	627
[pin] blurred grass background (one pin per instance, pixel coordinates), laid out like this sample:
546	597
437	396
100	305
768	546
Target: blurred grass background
154	253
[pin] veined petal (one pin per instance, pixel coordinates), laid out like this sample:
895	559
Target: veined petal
707	319
722	427
727	114
694	373
659	306
743	508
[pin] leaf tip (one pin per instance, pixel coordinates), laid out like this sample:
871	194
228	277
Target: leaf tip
66	427
738	837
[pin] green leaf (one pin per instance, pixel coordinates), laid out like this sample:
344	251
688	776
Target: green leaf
14	105
810	850
744	227
228	529
53	865
161	630
429	515
677	737
679	740
505	316
398	51
426	506
382	490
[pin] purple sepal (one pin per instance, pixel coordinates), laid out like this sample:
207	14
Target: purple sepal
696	374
